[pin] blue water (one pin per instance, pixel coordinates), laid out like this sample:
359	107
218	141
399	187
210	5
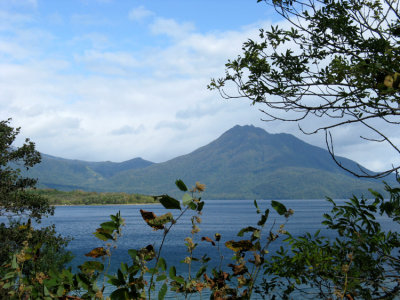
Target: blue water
226	217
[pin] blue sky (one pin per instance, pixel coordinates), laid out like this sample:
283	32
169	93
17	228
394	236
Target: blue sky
116	79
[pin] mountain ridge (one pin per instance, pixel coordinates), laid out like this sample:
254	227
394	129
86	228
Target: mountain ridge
245	162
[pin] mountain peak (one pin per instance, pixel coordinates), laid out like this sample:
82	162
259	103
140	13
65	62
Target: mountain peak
245	162
242	129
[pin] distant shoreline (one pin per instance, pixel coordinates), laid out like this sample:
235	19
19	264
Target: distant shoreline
78	197
100	204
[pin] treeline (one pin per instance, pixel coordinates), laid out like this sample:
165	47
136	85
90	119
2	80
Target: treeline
79	197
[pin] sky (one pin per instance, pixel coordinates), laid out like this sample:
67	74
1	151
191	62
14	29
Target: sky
111	80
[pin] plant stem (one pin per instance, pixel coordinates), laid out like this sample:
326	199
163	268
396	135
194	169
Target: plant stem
160	249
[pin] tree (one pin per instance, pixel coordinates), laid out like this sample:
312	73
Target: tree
337	60
16	201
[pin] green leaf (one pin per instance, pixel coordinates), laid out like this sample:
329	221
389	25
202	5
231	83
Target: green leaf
247	229
201	271
9	275
200	206
162	292
169	202
162	264
92	266
172	272
179	279
14	264
109	225
114	281
46	291
120	294
186	199
256	205
120	276
263	218
161	277
124	267
132	253
279	207
181	185
103	236
60	291
7	285
192	206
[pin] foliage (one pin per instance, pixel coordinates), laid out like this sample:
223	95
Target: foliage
148	275
336	60
79	197
361	263
15	202
13	197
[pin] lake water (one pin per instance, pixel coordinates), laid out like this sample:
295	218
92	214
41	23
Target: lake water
226	217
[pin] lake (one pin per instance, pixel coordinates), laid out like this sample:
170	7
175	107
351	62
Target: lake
226	217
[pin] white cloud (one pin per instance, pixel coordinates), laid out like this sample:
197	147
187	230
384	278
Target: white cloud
152	104
140	13
113	63
171	28
127	130
94	39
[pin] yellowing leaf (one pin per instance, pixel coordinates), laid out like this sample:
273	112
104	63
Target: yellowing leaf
97	252
206	238
243	245
156	222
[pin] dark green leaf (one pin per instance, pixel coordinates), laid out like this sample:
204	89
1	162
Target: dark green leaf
162	264
172	272
92	265
162	292
279	207
256	205
169	202
200	206
120	294
201	271
161	277
181	185
109	225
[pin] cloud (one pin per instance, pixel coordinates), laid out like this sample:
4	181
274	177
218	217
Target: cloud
146	101
128	130
94	40
171	125
171	28
13	21
112	63
140	13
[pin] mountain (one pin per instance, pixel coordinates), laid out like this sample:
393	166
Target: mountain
245	162
67	174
